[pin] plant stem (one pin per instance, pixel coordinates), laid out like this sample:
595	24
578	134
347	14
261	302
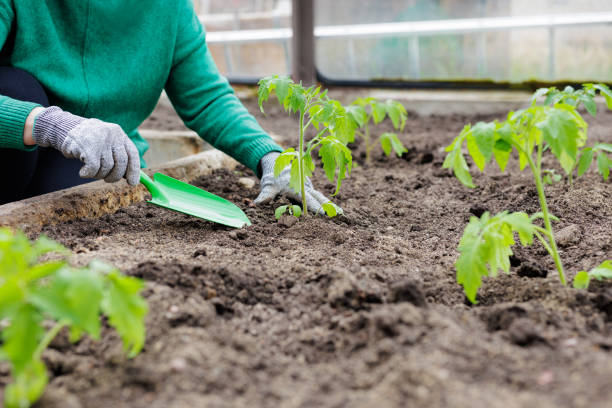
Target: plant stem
366	137
49	336
537	175
301	165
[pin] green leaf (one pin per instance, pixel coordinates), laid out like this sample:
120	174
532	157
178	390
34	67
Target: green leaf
540	215
11	295
328	157
586	159
335	156
561	132
389	141
263	91
605	91
126	310
581	280
309	166
282	90
280	211
603	165
331	209
296	210
550	176
20	338
45	245
379	111
455	161
295	182
480	143
284	160
538	94
73	295
297	99
485	247
603	271
397	113
357	114
589	103
43	270
27	387
501	152
603	146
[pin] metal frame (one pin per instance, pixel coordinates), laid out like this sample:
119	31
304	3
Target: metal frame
412	30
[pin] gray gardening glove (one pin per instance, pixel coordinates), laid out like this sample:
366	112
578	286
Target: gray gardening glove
271	186
104	148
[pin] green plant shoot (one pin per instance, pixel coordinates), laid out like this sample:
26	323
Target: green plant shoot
485	247
600	152
583	278
294	210
33	291
365	110
530	132
333	130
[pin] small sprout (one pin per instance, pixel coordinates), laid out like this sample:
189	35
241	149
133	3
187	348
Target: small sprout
604	163
294	210
332	209
550	177
364	110
583	278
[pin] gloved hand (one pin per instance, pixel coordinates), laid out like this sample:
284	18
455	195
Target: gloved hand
104	148
271	186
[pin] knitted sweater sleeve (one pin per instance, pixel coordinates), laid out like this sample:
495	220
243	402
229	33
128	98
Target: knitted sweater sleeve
205	100
13	113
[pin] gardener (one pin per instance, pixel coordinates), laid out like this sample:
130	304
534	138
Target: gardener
79	76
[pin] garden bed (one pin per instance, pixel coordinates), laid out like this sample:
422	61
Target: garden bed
360	310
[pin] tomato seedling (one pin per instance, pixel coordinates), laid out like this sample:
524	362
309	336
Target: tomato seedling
485	247
365	110
583	278
294	210
529	132
33	291
585	97
334	130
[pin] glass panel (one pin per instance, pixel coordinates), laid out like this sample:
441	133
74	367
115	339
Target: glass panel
247	60
510	54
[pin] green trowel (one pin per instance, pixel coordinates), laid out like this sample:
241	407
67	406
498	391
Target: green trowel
176	195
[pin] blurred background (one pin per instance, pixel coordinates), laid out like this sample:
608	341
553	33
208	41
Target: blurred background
500	41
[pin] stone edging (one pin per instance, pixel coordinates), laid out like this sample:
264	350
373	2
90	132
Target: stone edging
95	199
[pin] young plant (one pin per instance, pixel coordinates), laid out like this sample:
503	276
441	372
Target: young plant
585	97
485	247
583	278
294	210
550	176
529	133
333	130
32	292
364	110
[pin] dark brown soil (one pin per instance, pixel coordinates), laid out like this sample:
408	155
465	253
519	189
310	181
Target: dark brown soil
358	311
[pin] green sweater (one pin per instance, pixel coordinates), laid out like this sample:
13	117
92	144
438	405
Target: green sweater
111	59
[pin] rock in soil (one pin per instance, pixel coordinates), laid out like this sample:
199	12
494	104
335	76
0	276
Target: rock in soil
246	182
569	235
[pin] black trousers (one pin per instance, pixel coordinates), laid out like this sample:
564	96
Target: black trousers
28	174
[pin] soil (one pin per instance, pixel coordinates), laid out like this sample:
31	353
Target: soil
360	311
